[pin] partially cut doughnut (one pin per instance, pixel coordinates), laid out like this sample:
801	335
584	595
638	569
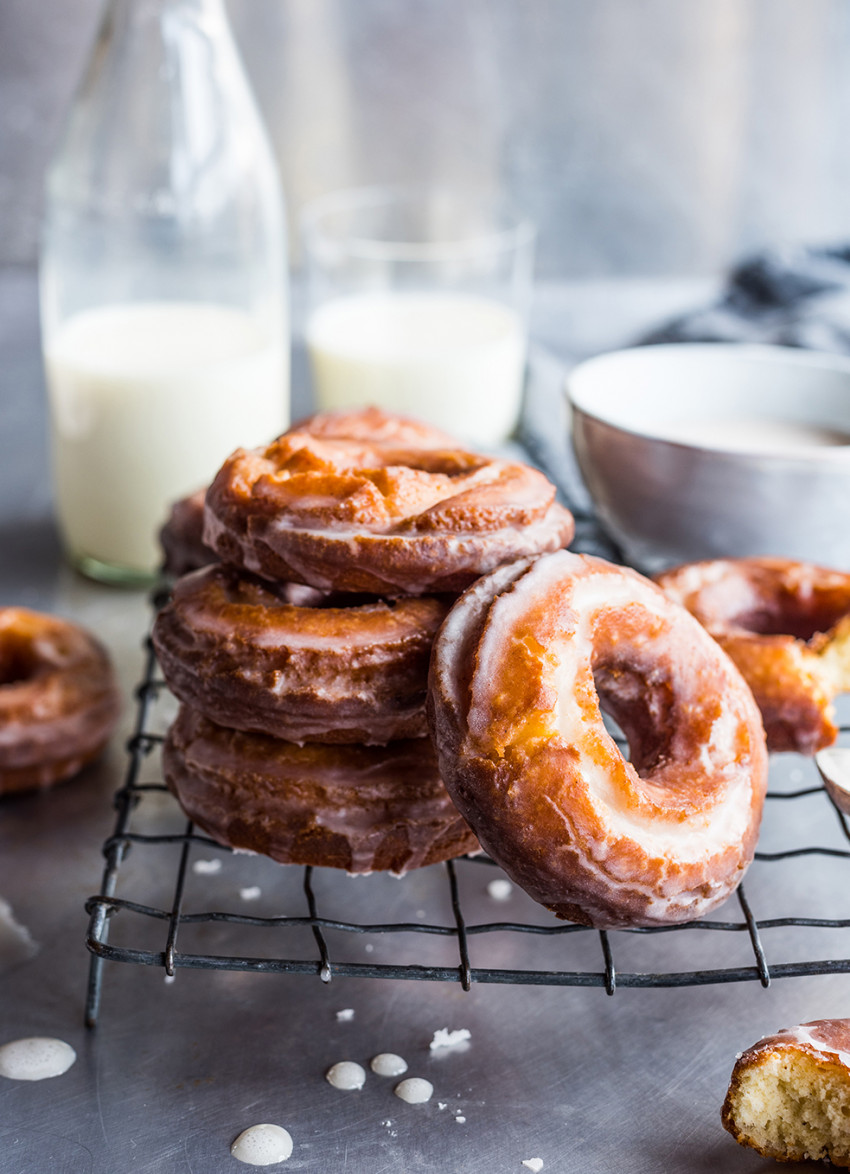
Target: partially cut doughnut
786	625
520	671
789	1096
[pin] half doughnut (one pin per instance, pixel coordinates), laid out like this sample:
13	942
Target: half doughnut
787	627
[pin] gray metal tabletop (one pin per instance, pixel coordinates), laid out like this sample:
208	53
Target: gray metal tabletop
174	1071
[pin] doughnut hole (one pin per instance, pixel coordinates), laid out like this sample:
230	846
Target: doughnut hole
18	662
638	713
794	1106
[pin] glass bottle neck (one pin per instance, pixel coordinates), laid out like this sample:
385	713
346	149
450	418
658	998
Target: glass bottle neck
124	15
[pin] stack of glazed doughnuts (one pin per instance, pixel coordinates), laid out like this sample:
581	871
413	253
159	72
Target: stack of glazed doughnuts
301	655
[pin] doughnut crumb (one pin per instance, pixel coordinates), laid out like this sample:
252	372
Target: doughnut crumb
790	1102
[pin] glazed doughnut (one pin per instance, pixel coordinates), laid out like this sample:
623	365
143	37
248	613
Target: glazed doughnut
789	1096
360	808
297	664
519	670
373	424
351	515
182	537
58	699
787	627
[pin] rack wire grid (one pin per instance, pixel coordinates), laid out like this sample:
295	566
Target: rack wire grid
571	943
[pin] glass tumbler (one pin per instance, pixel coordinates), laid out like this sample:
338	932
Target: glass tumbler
418	303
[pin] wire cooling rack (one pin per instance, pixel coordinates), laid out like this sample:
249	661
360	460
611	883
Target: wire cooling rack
583	957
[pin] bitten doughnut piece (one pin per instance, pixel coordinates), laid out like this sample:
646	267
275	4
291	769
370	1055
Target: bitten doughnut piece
295	663
520	669
361	808
787	627
360	515
789	1096
58	699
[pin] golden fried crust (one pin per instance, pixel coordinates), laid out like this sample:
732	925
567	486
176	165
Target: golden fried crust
359	808
325	669
358	515
787	627
517	672
372	423
182	535
58	699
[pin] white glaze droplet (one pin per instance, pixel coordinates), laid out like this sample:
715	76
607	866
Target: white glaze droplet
206	867
346	1075
262	1145
252	893
345	1015
414	1090
388	1064
36	1058
460	1120
500	889
450	1039
534	1164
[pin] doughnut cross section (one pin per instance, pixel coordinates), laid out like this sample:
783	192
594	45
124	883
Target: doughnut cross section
522	669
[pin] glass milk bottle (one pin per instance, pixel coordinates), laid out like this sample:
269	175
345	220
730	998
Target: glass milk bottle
163	280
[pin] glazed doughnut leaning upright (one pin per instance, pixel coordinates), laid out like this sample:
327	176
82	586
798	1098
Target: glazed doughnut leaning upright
789	1096
787	627
361	515
295	663
518	672
58	699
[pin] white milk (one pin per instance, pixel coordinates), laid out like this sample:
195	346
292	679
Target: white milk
147	400
454	360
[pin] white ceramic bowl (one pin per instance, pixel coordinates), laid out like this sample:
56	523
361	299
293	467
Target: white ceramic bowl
696	450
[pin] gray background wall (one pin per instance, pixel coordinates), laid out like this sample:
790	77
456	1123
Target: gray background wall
646	137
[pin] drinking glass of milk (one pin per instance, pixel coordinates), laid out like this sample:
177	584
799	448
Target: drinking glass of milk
418	303
162	279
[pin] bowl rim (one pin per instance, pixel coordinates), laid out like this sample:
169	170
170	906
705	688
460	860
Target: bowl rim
755	352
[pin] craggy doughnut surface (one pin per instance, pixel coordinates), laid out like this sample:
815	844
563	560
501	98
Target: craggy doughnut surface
297	664
789	1096
360	808
182	535
787	627
58	699
359	515
517	673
